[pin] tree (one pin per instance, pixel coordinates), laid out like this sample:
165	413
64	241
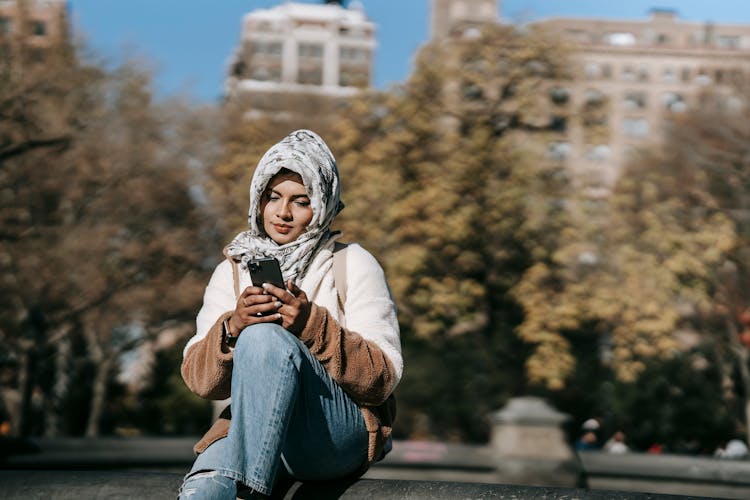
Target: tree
101	240
709	147
650	273
442	181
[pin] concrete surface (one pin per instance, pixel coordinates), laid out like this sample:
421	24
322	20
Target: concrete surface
68	485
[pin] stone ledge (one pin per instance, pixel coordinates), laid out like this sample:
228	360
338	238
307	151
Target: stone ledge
23	484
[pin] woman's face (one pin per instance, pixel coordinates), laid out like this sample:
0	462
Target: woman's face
286	208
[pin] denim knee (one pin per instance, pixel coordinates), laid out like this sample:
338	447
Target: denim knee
265	343
208	485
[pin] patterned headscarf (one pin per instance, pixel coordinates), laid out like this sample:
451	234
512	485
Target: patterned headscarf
305	153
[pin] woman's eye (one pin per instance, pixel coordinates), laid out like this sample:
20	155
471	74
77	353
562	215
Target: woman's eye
303	203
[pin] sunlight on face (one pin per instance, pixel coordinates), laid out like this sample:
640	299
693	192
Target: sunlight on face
286	208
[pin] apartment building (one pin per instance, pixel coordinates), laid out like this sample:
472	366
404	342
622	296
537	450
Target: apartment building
451	17
296	49
629	76
34	24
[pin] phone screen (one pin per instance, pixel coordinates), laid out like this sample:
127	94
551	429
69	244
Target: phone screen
266	270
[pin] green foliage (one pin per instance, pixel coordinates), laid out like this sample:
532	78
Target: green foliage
167	407
99	236
678	403
445	188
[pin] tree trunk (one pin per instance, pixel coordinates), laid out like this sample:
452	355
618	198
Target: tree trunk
53	426
98	396
19	412
13	403
741	353
745	376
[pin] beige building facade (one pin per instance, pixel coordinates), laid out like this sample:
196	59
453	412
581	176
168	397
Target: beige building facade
632	75
33	24
297	49
450	16
629	75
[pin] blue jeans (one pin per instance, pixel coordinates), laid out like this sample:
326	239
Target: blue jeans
286	411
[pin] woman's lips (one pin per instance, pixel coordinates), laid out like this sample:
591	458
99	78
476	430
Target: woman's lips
282	228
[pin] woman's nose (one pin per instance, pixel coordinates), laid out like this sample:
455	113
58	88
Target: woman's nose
284	211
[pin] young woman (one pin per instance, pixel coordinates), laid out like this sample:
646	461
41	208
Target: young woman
311	368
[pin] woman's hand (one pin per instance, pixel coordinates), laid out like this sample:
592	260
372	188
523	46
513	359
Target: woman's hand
254	305
295	308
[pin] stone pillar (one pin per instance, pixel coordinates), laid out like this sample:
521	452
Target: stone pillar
529	445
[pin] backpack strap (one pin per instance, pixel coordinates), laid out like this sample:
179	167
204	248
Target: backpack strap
339	272
235	274
236	278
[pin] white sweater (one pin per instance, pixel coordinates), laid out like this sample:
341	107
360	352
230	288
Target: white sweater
370	310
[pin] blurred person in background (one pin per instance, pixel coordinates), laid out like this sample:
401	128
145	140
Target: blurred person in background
589	438
734	449
616	443
311	367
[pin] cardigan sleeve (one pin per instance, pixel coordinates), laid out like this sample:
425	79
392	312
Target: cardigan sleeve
364	357
359	366
207	363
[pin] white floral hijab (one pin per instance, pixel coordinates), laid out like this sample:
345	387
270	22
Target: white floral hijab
305	153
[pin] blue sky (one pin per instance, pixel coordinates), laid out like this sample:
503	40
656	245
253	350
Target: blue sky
188	42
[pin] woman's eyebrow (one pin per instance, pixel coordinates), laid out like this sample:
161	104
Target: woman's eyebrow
294	197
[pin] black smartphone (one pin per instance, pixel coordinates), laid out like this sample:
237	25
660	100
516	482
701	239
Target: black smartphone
266	270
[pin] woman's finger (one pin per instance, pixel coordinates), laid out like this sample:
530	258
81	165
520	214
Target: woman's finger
280	293
253	300
251	290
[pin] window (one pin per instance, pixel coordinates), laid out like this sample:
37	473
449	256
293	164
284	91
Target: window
472	33
620	38
668	75
628	73
311	50
558	151
267	74
673	102
559	95
593	97
702	78
311	76
353	78
728	41
38	28
598	153
261	74
6	25
558	124
592	70
643	72
635	127
634	100
733	104
354	54
267	48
